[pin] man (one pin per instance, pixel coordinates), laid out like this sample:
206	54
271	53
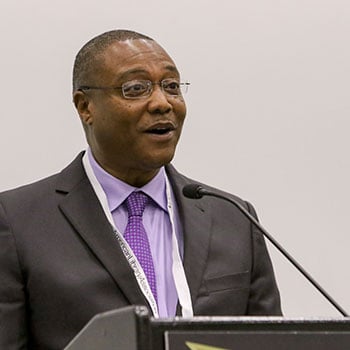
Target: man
64	251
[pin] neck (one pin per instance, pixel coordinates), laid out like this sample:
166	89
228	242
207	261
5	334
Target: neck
133	178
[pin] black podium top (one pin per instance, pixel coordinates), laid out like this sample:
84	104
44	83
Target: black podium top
132	328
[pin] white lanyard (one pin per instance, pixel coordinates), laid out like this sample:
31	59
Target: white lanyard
181	284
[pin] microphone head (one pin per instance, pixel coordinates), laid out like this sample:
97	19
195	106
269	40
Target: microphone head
192	191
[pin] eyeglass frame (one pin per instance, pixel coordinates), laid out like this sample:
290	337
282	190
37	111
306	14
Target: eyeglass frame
150	85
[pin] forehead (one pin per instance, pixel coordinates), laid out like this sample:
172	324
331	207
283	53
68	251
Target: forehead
136	55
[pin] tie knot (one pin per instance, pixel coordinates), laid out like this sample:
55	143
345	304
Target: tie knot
136	203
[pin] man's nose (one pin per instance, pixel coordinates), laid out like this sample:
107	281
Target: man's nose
159	101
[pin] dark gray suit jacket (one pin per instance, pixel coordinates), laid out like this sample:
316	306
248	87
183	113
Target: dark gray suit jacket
60	263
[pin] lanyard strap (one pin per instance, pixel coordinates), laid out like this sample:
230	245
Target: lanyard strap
181	284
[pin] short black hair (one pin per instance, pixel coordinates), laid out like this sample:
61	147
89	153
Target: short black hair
87	55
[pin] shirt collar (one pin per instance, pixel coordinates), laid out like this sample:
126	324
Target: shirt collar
117	191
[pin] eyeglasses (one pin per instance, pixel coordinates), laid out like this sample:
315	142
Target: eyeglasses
135	89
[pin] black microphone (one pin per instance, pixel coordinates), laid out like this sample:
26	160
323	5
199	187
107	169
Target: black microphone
195	191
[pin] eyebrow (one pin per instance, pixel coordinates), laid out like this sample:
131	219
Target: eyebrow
170	68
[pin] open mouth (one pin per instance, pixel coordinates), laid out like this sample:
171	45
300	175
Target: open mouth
160	129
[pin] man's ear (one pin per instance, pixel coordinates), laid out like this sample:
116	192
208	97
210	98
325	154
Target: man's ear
82	104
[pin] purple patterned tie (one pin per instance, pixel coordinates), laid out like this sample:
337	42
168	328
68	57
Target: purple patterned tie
136	236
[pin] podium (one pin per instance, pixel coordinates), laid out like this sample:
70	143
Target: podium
132	328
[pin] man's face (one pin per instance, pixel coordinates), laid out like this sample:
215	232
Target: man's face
133	135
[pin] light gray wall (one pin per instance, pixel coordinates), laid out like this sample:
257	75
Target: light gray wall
268	111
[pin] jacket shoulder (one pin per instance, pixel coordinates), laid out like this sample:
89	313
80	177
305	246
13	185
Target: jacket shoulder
179	181
62	181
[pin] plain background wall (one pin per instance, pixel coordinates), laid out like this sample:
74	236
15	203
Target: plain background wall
268	111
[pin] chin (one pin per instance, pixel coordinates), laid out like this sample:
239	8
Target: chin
161	160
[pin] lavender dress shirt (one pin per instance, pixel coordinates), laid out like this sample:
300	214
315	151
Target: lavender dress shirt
157	224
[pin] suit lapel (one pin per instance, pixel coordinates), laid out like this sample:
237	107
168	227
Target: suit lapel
196	225
83	210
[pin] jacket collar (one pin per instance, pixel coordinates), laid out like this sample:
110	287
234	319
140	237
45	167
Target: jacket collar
80	206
